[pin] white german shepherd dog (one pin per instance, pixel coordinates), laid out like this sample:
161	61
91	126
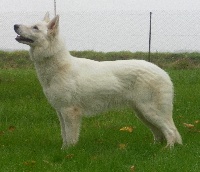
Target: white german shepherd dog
78	87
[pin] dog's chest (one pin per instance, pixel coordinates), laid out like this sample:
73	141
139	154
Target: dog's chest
58	95
57	88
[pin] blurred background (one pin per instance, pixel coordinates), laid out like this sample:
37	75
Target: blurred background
116	25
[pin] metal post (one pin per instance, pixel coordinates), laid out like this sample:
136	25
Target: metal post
149	57
55	7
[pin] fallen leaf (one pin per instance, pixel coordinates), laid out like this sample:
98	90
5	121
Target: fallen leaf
70	156
29	163
1	133
47	162
132	169
188	125
11	128
122	146
128	129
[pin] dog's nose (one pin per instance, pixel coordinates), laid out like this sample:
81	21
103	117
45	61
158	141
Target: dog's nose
16	27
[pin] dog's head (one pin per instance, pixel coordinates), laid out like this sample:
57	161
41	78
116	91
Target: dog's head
39	34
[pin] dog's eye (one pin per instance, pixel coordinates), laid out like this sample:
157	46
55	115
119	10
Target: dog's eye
35	27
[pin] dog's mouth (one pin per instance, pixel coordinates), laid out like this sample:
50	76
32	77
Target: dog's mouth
20	38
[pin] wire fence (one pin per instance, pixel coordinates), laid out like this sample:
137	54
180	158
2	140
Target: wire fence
114	30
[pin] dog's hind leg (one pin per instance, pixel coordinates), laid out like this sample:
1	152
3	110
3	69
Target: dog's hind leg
153	100
160	122
70	125
157	133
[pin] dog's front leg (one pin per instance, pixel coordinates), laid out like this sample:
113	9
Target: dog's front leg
70	125
62	125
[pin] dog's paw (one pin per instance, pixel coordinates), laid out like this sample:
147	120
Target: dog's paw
65	146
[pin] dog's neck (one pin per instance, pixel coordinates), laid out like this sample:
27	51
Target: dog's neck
49	63
52	48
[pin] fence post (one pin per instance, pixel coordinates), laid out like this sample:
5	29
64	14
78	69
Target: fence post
149	57
55	7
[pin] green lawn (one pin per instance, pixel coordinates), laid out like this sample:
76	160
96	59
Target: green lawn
30	133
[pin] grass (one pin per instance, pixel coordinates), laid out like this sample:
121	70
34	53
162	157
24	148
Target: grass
30	133
20	59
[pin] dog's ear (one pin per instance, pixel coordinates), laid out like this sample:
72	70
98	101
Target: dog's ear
53	26
46	17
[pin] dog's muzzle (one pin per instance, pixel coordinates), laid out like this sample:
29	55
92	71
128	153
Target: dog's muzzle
20	38
16	27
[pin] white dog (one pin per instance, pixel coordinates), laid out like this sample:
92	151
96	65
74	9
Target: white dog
78	87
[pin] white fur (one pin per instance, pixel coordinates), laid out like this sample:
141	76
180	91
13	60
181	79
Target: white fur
78	87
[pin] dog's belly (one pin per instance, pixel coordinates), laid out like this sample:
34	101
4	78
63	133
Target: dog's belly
95	105
91	100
